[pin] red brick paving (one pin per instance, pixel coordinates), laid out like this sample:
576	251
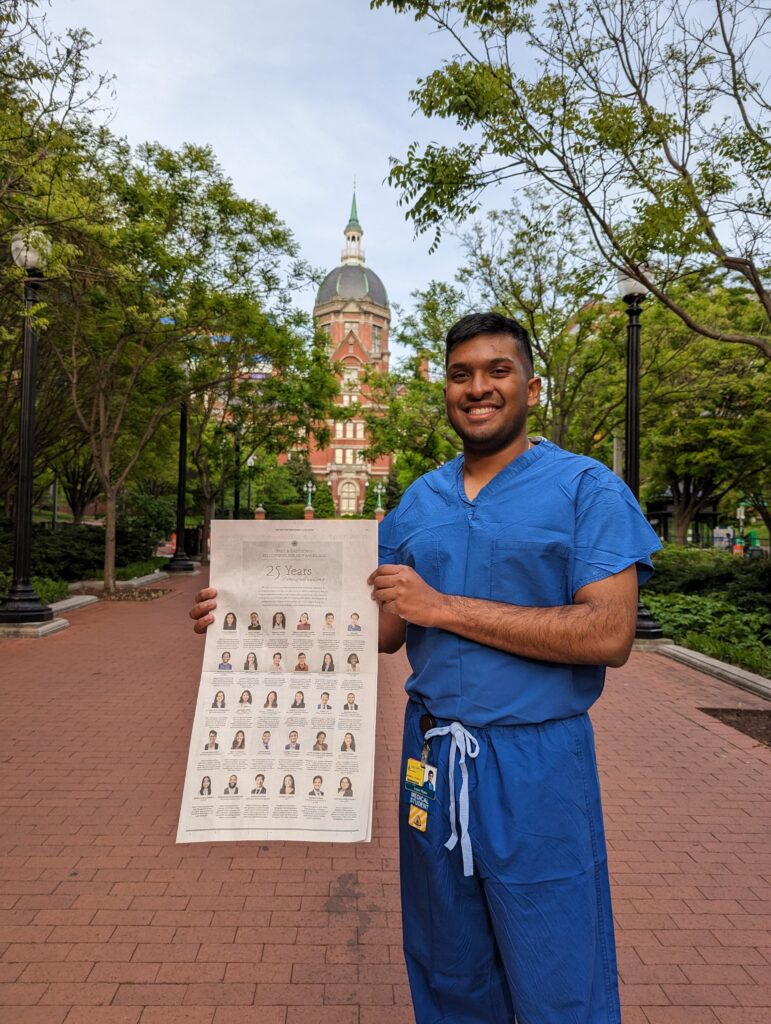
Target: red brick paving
104	920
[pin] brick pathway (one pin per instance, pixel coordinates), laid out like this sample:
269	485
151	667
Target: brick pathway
104	920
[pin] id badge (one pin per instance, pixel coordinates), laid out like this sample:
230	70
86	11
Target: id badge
420	778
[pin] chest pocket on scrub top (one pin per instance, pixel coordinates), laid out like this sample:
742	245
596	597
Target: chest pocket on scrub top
532	570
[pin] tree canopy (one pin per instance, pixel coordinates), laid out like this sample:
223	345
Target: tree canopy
652	119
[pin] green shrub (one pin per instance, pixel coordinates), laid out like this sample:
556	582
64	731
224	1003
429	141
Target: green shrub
754	659
145	568
713	625
295	510
146	516
49	591
75	552
682	570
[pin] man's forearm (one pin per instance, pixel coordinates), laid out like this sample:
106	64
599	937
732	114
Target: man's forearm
391	630
581	634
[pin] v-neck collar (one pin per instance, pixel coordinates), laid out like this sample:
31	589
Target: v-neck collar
504	475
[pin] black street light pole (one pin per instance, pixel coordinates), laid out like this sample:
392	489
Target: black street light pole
647	628
22	605
237	480
180	562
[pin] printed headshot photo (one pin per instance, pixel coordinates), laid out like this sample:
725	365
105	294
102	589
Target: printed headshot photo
231	622
287	786
225	665
212	744
353	625
323	704
239	741
266	740
317	784
352	663
429	780
349	743
305	621
246	697
350	703
327	663
294	741
232	787
259	786
250	665
205	789
329	620
271	701
277	665
321	741
219	699
279	620
345	788
254	621
302	663
299	700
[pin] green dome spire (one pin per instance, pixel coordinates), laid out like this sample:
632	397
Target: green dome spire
353	220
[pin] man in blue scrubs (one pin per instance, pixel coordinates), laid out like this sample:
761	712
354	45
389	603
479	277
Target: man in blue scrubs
512	573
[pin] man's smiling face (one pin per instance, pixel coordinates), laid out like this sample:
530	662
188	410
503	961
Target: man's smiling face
488	392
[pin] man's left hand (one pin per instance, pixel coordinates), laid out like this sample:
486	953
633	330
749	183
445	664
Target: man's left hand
399	590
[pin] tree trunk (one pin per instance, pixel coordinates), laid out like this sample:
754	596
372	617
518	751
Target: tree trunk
208	515
682	522
110	521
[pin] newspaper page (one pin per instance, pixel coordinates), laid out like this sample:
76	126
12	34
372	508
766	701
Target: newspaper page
284	733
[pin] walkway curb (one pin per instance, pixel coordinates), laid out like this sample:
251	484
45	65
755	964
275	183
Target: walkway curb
133	584
71	604
719	669
33	630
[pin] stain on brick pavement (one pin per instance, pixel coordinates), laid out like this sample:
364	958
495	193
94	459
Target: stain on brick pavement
105	920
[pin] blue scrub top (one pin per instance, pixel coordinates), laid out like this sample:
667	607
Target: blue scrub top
546	525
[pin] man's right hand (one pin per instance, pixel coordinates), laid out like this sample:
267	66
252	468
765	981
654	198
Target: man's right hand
205	603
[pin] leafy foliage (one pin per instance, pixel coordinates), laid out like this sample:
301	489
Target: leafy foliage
323	502
49	591
712	624
153	518
651	119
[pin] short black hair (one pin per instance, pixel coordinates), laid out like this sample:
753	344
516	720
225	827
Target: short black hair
474	324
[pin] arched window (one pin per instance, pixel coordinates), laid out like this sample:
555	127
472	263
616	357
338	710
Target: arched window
349	495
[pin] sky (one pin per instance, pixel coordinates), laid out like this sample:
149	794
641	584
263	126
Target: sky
297	98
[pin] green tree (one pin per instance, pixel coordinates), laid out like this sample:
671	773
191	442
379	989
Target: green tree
535	262
407	414
48	99
152	291
300	472
393	490
271	412
654	120
370	501
709	435
323	502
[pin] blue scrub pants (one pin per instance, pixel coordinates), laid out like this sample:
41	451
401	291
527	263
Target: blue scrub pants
529	936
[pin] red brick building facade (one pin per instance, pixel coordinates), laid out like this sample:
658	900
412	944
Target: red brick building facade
352	308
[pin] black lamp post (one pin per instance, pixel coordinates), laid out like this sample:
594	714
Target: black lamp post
179	561
237	478
250	467
22	605
633	294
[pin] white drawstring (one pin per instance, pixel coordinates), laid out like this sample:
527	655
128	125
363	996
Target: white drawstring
464	743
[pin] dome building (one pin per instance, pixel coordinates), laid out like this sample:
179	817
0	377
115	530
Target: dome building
352	309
